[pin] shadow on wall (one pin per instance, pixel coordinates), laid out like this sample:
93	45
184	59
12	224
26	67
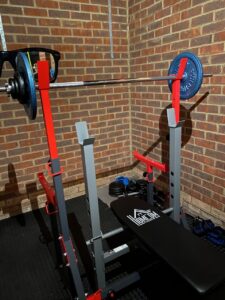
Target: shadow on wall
11	198
12	205
185	114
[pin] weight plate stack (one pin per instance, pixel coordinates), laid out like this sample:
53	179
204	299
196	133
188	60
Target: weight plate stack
116	188
29	99
132	186
141	185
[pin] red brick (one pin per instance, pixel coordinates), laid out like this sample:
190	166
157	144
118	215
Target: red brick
215	48
217	4
13	29
193	32
217	59
51	40
220	36
218	197
49	22
29	21
180	45
214	171
162	31
60	31
90	8
8	146
207	109
35	12
215	137
205	143
162	13
47	3
62	14
204	159
180	26
218	119
200	40
200	20
219	181
22	2
182	6
213	27
169	2
220	15
11	10
69	6
220	164
215	154
7	131
193	193
38	30
203	191
221	128
83	16
206	126
213	187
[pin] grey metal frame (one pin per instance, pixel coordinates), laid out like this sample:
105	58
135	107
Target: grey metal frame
64	228
86	142
175	130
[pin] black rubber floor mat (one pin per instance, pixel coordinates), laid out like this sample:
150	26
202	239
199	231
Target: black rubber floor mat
26	267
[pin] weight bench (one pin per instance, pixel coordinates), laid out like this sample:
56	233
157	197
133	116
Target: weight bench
197	261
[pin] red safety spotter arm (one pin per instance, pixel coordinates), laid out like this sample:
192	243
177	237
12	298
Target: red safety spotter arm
50	193
150	163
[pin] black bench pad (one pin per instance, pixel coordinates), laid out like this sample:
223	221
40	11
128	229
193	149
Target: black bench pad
197	261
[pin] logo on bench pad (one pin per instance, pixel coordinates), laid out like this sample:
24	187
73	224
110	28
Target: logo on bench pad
142	217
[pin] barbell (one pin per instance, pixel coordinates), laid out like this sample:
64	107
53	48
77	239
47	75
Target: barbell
23	88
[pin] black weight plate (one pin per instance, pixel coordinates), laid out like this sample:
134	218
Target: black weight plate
29	98
193	75
116	188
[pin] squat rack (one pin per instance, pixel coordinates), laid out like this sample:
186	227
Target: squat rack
54	163
87	144
65	240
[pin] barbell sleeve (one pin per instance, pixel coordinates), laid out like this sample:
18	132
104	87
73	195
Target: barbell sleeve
2	89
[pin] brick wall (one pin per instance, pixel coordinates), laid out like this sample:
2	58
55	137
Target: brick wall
80	31
159	30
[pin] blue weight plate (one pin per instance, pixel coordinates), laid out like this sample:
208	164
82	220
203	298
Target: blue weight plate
29	98
193	75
